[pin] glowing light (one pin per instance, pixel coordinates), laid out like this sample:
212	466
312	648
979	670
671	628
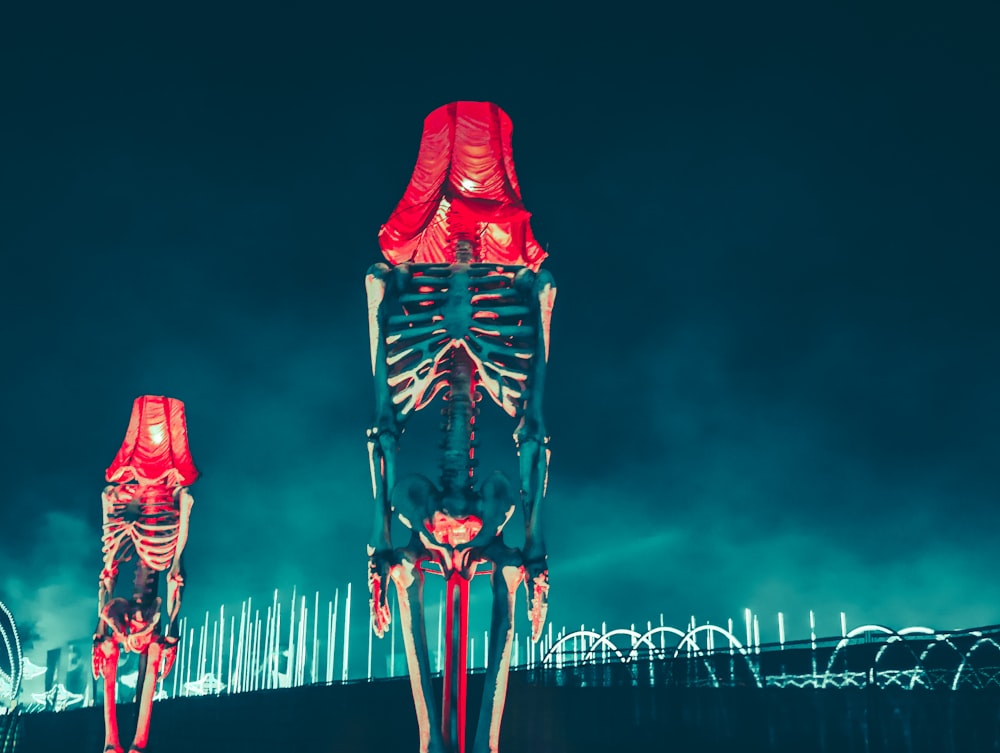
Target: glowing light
347	632
157	433
469	185
57	699
31	670
453	531
939	659
207	685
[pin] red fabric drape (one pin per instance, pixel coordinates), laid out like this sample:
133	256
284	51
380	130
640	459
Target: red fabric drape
463	186
155	449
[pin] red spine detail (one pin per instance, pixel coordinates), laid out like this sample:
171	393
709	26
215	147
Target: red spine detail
455	662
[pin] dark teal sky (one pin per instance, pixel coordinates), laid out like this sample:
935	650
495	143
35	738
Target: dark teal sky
774	230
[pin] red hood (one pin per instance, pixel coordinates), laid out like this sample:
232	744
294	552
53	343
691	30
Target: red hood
155	449
463	186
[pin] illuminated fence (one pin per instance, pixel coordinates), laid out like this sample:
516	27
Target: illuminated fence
306	641
712	656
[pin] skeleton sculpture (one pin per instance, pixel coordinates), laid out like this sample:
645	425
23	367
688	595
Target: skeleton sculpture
463	308
146	512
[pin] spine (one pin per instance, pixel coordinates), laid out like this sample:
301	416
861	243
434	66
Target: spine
459	412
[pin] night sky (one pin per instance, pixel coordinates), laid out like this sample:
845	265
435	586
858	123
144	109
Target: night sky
773	374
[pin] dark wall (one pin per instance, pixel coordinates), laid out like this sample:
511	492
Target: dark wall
379	718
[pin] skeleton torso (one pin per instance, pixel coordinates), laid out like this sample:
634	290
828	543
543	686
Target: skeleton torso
140	519
455	328
480	309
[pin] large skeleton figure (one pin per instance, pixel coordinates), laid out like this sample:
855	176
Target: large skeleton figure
463	310
146	510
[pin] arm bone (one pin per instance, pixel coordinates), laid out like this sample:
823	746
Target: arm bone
175	577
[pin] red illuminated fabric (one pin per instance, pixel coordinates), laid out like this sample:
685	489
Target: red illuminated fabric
155	449
463	188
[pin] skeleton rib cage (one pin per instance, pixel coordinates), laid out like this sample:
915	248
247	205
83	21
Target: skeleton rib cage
491	320
146	521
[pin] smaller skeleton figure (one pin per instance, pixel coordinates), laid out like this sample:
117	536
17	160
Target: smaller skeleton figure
146	511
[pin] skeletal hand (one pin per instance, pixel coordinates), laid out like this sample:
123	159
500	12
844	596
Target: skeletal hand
536	581
169	655
101	651
379	565
174	576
